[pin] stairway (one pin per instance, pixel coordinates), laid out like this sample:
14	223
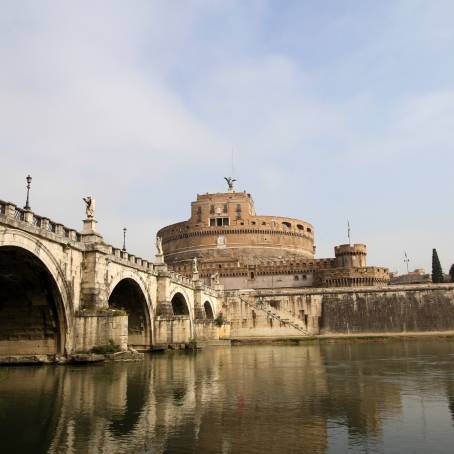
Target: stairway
276	314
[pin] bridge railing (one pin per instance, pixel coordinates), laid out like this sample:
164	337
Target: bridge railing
181	279
209	290
12	212
125	257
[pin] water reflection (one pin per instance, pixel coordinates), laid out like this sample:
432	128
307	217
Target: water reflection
371	397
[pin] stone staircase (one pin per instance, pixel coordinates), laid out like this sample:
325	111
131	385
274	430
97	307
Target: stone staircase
281	316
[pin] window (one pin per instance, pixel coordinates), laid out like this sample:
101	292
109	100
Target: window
299	227
287	224
212	209
219	222
225	208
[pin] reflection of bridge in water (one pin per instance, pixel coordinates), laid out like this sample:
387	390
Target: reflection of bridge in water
62	290
245	399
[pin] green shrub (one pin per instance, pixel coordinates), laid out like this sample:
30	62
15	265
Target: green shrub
111	347
219	320
119	311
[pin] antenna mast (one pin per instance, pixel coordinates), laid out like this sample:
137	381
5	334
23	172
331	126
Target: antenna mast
406	260
349	232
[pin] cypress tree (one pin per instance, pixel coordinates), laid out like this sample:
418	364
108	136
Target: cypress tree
437	272
451	273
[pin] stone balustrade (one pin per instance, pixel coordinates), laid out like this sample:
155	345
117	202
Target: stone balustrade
11	214
40	224
181	279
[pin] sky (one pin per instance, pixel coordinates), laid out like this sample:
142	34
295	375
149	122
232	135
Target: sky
333	110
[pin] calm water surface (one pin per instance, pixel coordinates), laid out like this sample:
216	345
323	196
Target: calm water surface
395	397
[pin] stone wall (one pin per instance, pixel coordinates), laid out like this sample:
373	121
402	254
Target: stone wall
173	330
207	330
389	309
422	309
249	317
100	329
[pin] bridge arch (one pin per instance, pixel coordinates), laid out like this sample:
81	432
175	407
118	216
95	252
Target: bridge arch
35	310
209	313
179	304
128	292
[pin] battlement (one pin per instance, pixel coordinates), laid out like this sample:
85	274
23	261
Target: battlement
351	255
350	249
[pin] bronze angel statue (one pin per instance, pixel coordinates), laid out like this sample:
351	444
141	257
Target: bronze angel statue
230	181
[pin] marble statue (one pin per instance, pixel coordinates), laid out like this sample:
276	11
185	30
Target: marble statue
90	206
159	245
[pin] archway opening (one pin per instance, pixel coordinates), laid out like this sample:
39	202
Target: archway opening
128	296
31	307
208	310
179	305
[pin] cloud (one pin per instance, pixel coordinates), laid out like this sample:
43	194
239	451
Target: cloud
333	112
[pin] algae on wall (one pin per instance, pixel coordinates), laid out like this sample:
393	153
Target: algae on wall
388	311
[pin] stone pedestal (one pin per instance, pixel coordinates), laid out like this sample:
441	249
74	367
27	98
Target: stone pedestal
89	233
159	259
89	226
199	312
163	306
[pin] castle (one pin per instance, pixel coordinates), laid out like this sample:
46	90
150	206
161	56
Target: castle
240	249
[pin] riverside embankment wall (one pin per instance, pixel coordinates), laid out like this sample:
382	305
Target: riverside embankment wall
343	311
389	310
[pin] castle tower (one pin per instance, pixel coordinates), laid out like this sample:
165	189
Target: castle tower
350	255
224	227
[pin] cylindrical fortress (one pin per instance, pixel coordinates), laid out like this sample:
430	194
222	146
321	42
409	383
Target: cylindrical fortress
224	227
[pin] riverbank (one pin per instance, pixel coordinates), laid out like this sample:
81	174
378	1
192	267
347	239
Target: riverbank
363	337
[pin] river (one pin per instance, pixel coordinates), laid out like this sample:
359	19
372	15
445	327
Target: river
370	397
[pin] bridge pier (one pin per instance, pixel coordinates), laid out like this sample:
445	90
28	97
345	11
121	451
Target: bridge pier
199	313
163	304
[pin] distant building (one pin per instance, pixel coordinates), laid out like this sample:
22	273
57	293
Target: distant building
245	250
418	276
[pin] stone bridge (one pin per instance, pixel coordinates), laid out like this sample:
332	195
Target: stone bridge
63	291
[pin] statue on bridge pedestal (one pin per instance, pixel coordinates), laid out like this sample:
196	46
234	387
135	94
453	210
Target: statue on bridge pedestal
215	279
194	266
159	257
159	250
90	207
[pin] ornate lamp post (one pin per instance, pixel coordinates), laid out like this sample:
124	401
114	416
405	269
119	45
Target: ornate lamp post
27	202
124	239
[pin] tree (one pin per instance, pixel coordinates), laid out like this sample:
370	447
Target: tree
437	272
451	273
